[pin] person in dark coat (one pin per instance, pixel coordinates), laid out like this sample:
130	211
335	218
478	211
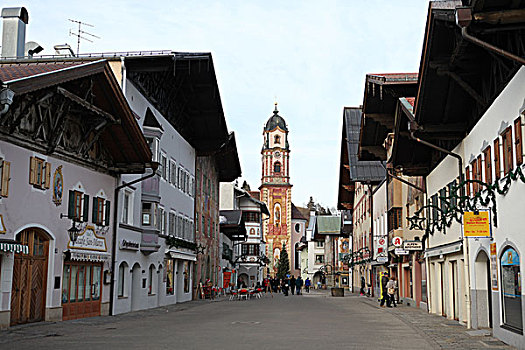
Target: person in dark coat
284	286
292	285
384	291
299	285
363	284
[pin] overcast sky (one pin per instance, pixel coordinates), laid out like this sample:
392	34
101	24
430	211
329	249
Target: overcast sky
309	56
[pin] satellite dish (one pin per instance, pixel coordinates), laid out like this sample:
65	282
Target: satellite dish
32	48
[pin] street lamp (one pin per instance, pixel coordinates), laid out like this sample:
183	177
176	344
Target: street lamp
73	232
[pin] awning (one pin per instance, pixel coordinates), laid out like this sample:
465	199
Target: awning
14	248
181	256
444	249
79	255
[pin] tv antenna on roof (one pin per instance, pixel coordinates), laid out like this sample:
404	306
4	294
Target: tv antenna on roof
80	34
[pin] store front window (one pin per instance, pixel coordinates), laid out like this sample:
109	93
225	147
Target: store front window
511	288
81	289
169	278
186	277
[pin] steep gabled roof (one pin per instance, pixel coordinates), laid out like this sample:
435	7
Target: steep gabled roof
296	214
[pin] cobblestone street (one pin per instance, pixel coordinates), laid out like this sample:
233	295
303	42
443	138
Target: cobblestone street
311	321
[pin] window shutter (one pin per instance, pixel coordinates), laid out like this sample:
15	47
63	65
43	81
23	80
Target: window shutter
94	213
107	213
47	181
496	159
32	170
6	168
518	144
71	205
488	165
86	208
467	185
507	150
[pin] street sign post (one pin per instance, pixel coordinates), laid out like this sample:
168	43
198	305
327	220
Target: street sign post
413	245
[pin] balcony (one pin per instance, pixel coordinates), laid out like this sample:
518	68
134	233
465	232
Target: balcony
150	241
151	189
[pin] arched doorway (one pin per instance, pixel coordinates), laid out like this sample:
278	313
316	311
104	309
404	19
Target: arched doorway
318	277
28	294
511	288
136	290
244	279
483	290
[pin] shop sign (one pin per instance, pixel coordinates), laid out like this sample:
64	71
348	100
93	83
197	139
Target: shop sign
382	259
413	245
88	240
476	223
400	251
226	278
493	266
397	241
129	245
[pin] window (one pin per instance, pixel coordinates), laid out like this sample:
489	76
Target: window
467	178
434	209
39	173
153	144
297	259
251	216
173	172
277	167
163	168
497	166
146	214
474	166
319	244
170	278
297	227
507	150
453	199
101	211
162	221
319	259
517	142
150	279
171	224
78	206
511	288
250	249
121	278
4	178
394	218
277	139
488	165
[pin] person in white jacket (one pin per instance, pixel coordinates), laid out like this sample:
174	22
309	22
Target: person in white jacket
391	287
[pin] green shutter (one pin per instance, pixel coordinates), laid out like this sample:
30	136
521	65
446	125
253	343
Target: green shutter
94	213
71	207
106	215
86	208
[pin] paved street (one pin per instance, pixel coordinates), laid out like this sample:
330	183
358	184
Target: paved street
314	321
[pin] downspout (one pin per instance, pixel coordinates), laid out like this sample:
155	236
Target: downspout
153	167
465	240
370	253
491	47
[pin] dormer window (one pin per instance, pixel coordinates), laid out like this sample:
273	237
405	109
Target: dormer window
277	139
277	167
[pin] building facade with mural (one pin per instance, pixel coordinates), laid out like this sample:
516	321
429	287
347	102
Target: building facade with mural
276	189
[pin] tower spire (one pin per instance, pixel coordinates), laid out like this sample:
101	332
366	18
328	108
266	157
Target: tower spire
275	111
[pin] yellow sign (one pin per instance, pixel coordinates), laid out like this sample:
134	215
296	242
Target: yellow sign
476	224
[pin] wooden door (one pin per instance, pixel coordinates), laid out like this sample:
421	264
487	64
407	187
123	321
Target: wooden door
28	293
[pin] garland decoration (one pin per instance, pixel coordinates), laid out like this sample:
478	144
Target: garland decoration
452	207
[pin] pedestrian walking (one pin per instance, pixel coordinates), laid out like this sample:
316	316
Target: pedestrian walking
384	292
307	284
391	291
292	285
299	285
363	284
284	286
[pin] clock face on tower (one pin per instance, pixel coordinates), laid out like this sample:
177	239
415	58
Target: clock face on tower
277	154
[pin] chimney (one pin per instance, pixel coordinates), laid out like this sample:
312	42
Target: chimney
14	31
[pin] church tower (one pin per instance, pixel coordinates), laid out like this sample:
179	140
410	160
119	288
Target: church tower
276	190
